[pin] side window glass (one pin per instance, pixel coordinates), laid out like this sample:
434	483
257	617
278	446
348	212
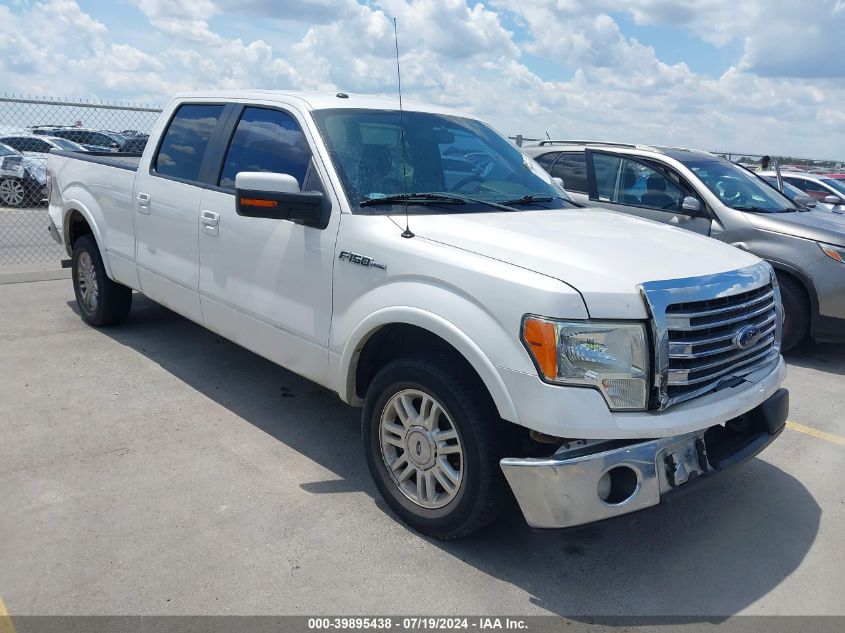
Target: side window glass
266	140
641	185
571	167
185	141
545	160
607	172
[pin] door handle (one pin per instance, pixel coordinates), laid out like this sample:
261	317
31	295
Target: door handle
210	218
209	221
143	203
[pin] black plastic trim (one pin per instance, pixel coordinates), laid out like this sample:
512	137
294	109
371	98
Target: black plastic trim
111	159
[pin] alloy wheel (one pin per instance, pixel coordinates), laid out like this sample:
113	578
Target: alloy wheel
422	449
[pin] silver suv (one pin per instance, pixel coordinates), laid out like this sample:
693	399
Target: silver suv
706	194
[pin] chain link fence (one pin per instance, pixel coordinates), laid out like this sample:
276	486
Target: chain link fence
29	129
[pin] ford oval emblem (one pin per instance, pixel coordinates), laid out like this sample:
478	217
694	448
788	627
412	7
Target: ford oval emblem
747	337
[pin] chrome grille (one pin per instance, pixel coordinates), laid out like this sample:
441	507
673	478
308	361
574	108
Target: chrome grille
703	339
711	331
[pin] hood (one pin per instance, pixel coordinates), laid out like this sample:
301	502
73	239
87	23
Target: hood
816	225
602	254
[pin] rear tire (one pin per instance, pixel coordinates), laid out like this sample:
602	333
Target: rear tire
796	312
101	301
427	418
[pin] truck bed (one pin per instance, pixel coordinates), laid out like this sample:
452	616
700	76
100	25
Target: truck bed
121	161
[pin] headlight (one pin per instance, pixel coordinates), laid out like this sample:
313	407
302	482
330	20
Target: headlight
611	357
834	252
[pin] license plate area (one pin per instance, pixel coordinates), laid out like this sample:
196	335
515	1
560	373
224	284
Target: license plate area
682	462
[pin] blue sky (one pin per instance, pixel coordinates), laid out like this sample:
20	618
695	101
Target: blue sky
744	76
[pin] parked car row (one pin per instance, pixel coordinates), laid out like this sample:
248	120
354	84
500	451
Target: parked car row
129	142
23	157
709	195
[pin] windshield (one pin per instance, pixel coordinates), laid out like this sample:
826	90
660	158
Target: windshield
443	154
738	188
834	184
5	150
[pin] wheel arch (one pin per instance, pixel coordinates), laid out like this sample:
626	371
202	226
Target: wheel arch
390	332
806	283
78	221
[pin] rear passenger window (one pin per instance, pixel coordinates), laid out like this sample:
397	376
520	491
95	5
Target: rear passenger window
185	141
571	167
266	140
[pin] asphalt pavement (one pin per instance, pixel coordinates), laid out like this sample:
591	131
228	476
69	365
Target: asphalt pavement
155	468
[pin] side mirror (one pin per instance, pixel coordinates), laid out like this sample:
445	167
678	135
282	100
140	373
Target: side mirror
805	201
260	194
832	200
691	206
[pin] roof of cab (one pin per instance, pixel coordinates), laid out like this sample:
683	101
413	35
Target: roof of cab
319	100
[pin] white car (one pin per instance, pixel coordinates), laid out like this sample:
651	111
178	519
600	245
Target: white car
38	146
828	193
494	333
23	179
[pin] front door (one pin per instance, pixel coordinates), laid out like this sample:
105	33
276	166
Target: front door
265	283
643	188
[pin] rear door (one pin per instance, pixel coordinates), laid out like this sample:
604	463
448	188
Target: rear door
167	204
266	283
641	187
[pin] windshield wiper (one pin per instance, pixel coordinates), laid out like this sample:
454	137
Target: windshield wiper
529	199
413	198
753	209
432	198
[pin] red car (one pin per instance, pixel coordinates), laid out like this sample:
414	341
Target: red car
836	176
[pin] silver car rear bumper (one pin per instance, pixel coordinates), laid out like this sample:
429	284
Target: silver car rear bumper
586	482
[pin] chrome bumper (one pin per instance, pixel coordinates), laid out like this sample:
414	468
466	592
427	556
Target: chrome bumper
594	481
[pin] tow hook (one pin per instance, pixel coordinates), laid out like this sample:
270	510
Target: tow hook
671	468
701	451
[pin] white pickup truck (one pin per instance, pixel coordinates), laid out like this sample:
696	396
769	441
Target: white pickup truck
497	335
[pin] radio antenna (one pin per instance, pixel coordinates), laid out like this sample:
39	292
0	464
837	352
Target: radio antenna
407	232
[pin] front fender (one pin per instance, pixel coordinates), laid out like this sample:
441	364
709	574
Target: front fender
435	324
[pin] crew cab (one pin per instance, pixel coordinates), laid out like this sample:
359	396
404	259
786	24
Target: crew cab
497	336
706	194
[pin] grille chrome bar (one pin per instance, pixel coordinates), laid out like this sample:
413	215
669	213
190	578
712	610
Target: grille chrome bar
681	376
685	324
709	331
727	308
684	349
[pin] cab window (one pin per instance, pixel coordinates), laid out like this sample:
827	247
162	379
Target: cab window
183	147
266	140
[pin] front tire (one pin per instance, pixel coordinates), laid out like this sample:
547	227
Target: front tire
101	301
433	440
796	312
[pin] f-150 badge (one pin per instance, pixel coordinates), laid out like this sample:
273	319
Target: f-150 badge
362	260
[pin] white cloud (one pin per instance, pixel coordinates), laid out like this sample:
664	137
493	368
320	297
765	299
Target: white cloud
779	95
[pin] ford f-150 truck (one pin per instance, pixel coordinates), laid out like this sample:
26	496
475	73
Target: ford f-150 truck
498	337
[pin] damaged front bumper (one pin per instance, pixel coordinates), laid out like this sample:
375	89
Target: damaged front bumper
588	481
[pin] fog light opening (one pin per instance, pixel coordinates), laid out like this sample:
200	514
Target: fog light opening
617	485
